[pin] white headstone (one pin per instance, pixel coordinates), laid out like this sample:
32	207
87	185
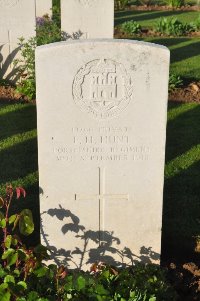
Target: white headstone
91	18
17	19
43	7
101	135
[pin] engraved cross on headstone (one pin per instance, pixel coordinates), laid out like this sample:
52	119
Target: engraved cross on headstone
102	197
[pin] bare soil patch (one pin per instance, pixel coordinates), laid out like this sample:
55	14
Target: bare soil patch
8	94
190	93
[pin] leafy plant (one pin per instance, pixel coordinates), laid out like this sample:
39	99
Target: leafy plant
196	24
146	2
131	27
175	81
47	32
173	27
26	68
142	282
16	261
121	4
176	3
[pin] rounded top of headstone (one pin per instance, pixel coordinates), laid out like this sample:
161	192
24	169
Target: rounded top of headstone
91	42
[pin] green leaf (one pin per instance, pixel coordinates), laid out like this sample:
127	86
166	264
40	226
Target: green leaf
7	253
152	299
12	219
12	259
8	241
9	278
26	225
81	283
32	296
41	271
22	255
3	223
101	290
3	287
14	241
2	272
16	272
11	256
22	284
5	296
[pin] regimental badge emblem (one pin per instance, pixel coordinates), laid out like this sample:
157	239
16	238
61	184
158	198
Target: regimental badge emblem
8	3
102	88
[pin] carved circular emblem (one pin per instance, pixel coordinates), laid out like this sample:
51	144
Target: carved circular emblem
102	88
8	3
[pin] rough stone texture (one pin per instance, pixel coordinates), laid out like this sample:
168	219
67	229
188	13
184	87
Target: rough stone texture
88	19
43	7
17	19
101	136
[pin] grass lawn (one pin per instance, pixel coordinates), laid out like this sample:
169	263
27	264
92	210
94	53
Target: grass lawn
147	19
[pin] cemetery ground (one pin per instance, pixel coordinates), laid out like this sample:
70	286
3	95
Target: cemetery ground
181	206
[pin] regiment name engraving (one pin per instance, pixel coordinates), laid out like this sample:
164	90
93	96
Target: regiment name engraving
101	144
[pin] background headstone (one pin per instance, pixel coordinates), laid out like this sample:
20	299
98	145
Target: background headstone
17	19
101	136
92	18
43	7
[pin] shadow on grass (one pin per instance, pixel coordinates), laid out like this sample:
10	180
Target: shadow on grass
185	52
168	42
183	133
181	207
17	119
123	16
18	161
181	216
